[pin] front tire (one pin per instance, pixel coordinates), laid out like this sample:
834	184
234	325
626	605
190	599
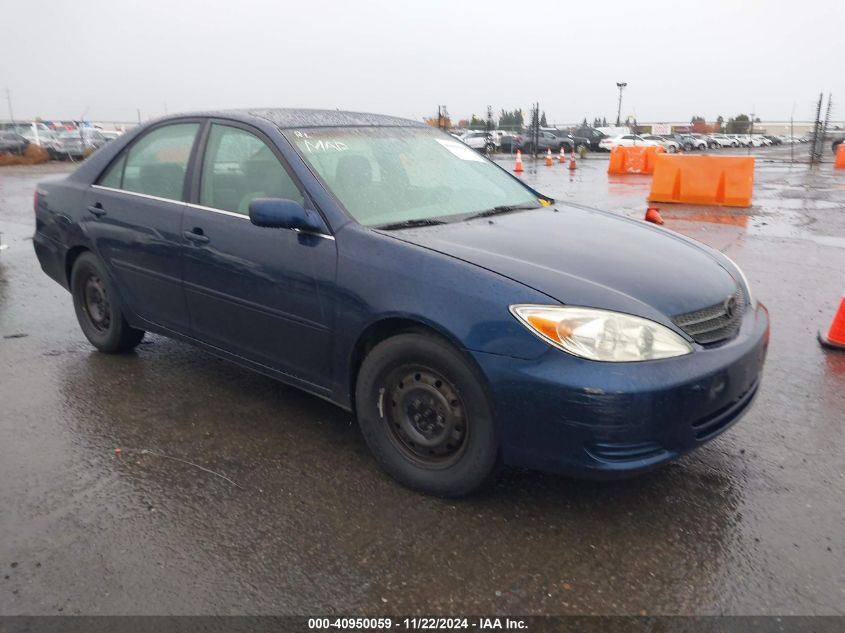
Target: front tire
97	308
425	416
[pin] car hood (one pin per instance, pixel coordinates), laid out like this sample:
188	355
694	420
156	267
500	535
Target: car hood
587	257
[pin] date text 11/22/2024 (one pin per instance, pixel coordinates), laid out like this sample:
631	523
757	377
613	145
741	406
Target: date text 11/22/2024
418	624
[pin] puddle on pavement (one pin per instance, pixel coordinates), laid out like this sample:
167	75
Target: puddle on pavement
784	194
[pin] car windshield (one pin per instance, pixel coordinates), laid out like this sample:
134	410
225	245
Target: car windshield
389	175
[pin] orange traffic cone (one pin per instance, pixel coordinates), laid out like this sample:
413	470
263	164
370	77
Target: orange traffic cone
653	215
518	165
562	158
835	337
549	157
572	165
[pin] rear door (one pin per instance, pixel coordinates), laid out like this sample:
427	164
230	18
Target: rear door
135	220
252	291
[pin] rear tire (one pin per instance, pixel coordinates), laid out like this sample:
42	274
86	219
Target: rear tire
426	417
97	308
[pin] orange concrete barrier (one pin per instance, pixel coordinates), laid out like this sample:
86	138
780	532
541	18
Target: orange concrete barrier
722	180
840	157
638	159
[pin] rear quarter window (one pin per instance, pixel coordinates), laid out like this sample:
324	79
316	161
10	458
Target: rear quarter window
113	176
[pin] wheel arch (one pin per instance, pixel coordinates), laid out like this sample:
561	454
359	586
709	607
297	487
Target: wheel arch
71	256
390	326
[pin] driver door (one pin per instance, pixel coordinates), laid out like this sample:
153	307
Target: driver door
251	291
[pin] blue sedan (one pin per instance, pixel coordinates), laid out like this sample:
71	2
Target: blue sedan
467	320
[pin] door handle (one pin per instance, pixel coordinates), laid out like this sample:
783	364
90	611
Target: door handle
97	209
196	236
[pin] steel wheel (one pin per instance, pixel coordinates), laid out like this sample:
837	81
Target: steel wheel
98	308
425	416
96	303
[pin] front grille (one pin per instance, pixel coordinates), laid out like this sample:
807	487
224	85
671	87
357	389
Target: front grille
716	323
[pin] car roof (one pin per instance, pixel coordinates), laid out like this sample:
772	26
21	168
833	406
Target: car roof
286	118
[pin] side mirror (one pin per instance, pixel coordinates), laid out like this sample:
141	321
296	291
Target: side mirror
280	213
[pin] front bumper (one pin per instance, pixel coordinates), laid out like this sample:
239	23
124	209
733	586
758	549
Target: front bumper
559	413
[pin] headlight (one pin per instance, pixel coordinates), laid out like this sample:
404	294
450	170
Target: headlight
600	334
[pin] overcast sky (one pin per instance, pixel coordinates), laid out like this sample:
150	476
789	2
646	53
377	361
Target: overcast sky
111	57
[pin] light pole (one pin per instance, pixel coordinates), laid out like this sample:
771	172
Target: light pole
620	85
751	132
9	100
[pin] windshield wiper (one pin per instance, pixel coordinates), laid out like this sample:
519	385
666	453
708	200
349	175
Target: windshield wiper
502	210
409	224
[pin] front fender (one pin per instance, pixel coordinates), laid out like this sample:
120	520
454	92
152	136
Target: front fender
380	278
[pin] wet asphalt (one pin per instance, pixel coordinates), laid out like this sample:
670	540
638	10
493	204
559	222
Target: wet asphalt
750	524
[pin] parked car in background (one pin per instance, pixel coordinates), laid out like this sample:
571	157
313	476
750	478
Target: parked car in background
546	141
12	143
625	140
836	143
576	142
497	137
374	277
724	140
591	134
684	140
774	140
510	141
479	140
754	140
79	143
695	142
45	138
711	141
669	144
